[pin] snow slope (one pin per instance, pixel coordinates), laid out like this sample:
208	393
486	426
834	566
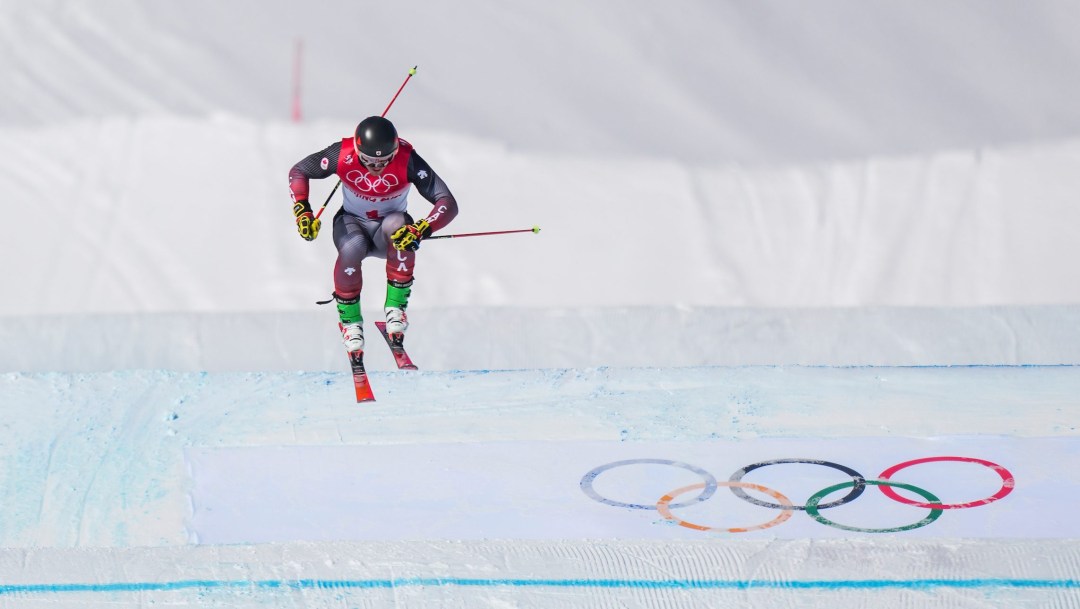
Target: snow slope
728	81
101	502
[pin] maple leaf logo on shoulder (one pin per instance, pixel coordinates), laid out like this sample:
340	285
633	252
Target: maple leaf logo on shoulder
422	174
324	163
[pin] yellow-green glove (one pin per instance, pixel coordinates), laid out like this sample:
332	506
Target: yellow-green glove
306	223
408	237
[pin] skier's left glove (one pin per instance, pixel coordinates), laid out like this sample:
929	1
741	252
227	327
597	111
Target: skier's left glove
306	223
408	237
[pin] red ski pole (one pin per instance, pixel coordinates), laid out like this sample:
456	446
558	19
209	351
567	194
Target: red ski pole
535	229
412	72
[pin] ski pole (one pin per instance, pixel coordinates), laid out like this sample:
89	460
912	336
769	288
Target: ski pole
535	229
327	202
412	72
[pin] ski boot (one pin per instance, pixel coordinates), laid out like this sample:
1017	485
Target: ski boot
397	299
352	323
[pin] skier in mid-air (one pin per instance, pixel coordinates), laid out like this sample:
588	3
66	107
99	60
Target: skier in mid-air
377	169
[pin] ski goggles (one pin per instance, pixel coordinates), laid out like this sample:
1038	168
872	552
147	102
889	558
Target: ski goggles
376	162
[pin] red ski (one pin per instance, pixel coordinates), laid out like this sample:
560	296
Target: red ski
360	378
397	347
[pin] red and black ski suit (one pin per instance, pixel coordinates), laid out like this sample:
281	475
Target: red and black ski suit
374	207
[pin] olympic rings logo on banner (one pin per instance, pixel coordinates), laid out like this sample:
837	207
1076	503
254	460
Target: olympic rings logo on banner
814	504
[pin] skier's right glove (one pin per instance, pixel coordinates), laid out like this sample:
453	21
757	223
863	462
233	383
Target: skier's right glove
306	223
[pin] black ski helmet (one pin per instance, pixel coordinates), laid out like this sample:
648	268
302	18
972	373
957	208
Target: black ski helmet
376	137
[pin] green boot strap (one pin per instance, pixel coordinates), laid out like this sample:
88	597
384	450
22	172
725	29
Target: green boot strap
349	310
397	293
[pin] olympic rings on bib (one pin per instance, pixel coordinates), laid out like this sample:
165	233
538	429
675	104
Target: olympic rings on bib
813	505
